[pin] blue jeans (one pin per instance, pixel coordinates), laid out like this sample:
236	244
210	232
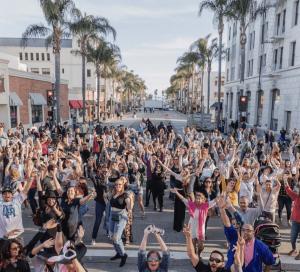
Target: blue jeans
31	199
83	209
116	230
99	210
295	230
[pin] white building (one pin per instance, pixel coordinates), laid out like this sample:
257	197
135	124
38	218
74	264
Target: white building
40	60
272	70
196	85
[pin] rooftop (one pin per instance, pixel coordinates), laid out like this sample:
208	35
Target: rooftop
32	42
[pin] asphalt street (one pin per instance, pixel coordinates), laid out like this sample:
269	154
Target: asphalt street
97	258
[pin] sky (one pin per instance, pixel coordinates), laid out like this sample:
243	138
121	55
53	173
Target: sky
151	34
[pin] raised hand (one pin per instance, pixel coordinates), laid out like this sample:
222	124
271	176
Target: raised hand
187	230
49	243
148	229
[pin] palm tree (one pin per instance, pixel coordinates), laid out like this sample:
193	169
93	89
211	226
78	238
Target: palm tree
88	28
208	52
100	55
221	9
192	60
245	11
57	14
184	73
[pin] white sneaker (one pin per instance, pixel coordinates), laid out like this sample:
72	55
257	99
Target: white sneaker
93	243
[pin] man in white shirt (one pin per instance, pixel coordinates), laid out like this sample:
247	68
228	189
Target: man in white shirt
11	211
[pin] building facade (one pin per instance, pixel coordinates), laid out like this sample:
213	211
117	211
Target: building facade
40	60
23	95
189	97
272	68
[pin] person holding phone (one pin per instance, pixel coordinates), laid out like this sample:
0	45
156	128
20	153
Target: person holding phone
153	261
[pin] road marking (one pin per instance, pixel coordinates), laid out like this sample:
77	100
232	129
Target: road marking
134	253
286	261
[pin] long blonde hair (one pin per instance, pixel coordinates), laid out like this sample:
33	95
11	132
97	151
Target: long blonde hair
124	181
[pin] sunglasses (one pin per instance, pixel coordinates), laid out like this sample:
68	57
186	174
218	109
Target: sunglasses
152	260
215	260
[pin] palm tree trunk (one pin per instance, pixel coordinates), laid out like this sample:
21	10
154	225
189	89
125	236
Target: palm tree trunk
98	97
57	88
202	91
105	98
208	87
193	95
83	86
243	48
220	76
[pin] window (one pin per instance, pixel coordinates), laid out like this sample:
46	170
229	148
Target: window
46	71
37	113
88	72
264	32
232	74
31	56
227	75
20	56
296	14
13	116
292	53
283	21
62	70
262	63
88	86
37	56
2	86
43	56
26	56
35	70
275	59
280	57
229	35
253	39
234	31
278	23
48	56
228	54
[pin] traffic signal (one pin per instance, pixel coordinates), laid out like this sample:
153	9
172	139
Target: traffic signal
243	104
50	98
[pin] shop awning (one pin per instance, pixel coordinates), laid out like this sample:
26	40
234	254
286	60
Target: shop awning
80	104
37	99
74	104
14	99
216	105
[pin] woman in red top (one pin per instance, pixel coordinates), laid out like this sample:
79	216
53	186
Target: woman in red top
295	218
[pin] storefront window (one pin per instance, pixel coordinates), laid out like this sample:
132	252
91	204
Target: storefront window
13	116
37	113
2	89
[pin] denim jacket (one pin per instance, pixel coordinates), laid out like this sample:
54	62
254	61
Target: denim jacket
142	262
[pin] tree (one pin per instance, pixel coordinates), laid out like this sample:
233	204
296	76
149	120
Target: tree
57	14
100	54
245	11
208	52
192	60
88	28
221	9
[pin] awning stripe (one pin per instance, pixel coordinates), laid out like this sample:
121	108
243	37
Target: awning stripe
14	99
37	99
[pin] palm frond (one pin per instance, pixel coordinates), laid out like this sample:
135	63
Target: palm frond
34	31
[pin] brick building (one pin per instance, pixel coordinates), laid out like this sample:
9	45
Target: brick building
23	95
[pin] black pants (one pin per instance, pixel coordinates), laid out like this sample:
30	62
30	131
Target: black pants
287	202
148	191
179	213
160	197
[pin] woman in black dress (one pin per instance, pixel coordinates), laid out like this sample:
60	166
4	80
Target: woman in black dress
158	185
181	182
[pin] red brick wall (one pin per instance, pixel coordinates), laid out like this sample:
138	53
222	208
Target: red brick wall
24	86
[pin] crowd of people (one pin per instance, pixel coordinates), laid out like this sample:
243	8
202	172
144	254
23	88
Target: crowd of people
56	170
